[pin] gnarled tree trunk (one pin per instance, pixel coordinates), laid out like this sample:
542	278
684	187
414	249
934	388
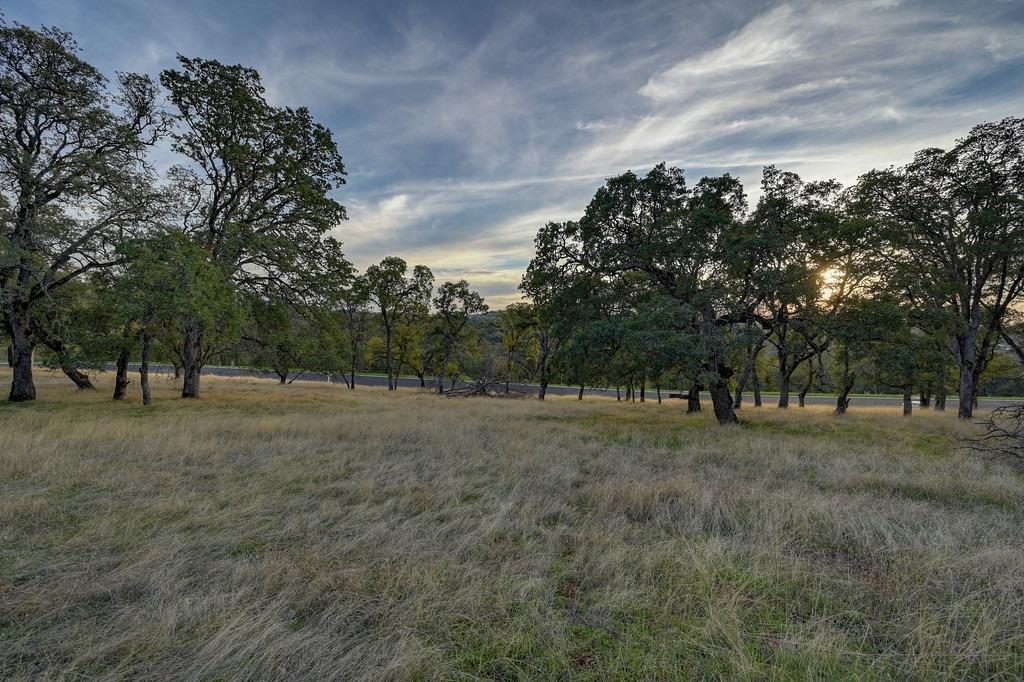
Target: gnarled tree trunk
693	399
121	376
23	387
807	387
721	400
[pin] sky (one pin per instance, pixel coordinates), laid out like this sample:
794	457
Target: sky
465	126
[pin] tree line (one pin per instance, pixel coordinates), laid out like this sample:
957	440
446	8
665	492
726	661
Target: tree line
911	278
913	274
102	259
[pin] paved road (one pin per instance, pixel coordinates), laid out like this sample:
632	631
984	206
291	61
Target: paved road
414	383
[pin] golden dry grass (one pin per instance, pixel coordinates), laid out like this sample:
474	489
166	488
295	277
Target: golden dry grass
305	532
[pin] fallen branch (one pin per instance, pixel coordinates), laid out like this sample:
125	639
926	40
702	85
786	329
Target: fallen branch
1003	432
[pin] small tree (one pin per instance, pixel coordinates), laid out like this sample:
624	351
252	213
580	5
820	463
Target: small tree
454	304
357	323
171	283
397	297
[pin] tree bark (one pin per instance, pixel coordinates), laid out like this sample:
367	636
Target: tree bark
908	401
78	378
144	369
657	390
846	385
842	402
121	376
56	344
693	399
968	352
783	390
580	396
807	387
193	361
23	388
643	390
757	386
926	396
721	400
966	394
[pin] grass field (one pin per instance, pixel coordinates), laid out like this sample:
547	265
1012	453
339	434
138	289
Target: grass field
303	531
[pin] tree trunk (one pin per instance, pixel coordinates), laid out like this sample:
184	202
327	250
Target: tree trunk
121	376
192	357
55	344
966	394
543	366
643	390
78	378
783	389
580	396
388	358
144	369
721	400
618	394
968	352
657	389
926	396
843	401
940	399
908	401
807	387
355	356
757	386
693	399
846	385
22	386
177	371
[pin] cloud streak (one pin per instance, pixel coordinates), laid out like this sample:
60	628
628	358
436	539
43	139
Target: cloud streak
465	127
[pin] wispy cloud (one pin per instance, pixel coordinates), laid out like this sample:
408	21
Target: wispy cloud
465	127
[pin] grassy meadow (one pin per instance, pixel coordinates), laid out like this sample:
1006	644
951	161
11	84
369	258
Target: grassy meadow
309	532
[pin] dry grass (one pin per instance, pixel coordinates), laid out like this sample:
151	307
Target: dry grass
271	532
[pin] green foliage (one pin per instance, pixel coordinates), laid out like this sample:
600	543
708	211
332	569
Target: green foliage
171	282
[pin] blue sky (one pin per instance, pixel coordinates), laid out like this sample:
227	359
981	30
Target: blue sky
465	126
